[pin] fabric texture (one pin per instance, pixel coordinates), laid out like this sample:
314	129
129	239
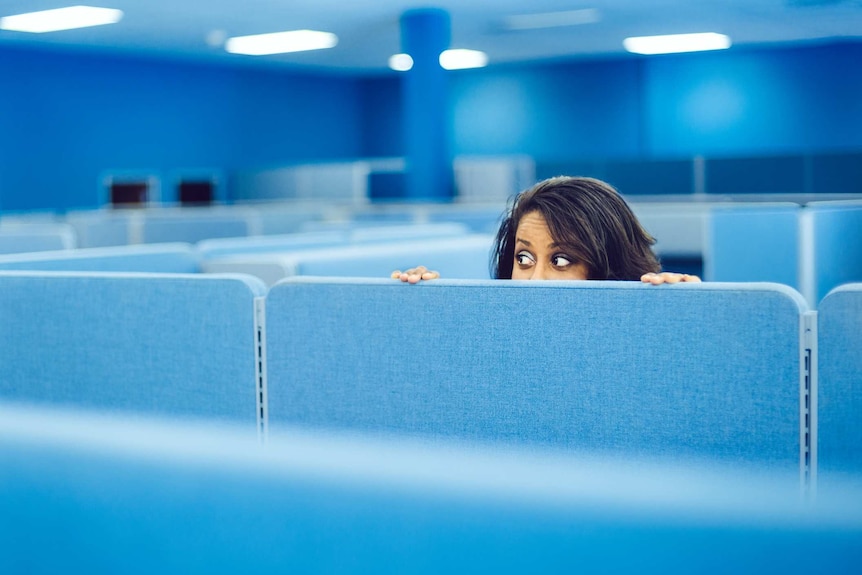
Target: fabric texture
840	382
179	345
696	370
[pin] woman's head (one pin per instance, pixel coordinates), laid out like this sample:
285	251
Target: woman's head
572	228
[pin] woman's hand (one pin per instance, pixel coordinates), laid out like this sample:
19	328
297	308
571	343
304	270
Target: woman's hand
668	278
415	275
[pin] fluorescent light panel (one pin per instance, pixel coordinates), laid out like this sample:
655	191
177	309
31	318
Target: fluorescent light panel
675	43
460	59
552	19
281	42
60	19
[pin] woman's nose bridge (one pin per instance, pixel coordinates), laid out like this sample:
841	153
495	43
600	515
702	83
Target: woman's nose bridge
540	271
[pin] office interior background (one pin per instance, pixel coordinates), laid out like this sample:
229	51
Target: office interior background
205	365
778	112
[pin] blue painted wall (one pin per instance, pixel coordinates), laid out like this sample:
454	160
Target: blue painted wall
66	118
730	103
741	102
381	108
551	111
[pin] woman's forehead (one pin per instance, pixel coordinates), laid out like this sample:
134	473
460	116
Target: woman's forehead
534	227
533	223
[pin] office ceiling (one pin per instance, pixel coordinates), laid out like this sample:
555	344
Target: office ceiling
368	30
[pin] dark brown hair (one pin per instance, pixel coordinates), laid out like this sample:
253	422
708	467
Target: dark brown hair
590	220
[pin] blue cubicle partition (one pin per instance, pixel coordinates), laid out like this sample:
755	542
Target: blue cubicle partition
156	258
169	344
340	234
754	244
455	256
191	226
105	228
676	371
221	247
836	245
23	238
839	409
92	494
479	220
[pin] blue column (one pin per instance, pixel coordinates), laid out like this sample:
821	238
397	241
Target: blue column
425	33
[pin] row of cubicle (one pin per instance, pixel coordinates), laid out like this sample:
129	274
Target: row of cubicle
292	408
207	422
812	246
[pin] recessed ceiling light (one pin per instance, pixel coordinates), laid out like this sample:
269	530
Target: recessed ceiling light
460	59
456	59
675	43
552	19
60	19
400	62
281	42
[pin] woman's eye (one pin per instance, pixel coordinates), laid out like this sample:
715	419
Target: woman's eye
561	261
524	259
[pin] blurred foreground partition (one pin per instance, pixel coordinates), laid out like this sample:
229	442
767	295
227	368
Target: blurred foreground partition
94	494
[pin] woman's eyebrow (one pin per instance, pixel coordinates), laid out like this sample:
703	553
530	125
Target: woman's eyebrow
551	246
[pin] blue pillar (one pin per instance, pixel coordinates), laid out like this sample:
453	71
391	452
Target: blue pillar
425	33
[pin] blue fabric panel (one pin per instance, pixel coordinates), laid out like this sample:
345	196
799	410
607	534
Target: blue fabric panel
479	221
458	257
398	216
85	496
263	244
276	220
22	241
396	233
753	244
193	228
358	221
333	233
159	258
696	370
840	382
99	229
105	234
837	244
181	345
